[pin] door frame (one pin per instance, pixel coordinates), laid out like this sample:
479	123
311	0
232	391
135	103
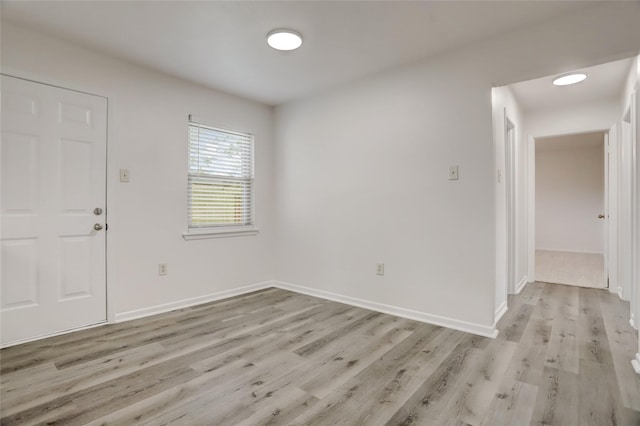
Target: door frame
510	203
635	209
634	106
531	208
605	228
613	189
531	197
111	177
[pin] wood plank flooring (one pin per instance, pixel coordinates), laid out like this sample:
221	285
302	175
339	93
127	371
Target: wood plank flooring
275	357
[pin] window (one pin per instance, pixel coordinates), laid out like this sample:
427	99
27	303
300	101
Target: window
220	189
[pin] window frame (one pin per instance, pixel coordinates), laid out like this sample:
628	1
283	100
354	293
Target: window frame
218	230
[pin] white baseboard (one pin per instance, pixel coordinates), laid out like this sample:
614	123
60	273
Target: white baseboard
185	303
636	363
570	251
46	336
500	311
521	284
467	327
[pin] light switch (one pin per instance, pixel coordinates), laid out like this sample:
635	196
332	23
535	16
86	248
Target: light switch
453	172
124	175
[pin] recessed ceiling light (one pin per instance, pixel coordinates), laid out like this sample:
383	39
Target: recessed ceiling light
284	39
568	79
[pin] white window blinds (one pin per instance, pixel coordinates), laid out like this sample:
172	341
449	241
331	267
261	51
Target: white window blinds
220	177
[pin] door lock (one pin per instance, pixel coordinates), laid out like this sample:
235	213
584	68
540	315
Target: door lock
601	216
97	227
97	211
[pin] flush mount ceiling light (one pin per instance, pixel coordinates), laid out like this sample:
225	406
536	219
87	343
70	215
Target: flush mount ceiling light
573	78
284	39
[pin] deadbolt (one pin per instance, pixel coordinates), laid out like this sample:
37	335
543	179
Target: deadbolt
97	227
97	211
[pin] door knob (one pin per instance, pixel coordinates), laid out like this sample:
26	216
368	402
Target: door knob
97	227
601	216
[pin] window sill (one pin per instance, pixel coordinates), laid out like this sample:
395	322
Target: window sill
203	234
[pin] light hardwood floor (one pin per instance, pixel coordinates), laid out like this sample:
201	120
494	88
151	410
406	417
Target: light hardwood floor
277	357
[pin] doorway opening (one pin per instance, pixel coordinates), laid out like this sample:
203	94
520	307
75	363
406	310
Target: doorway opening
570	209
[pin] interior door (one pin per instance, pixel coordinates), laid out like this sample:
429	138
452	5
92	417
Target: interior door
52	210
605	214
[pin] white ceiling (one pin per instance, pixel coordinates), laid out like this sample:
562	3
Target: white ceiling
222	44
604	81
593	140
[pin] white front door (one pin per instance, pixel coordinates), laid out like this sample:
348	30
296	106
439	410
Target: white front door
52	204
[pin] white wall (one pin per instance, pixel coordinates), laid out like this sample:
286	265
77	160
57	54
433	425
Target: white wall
147	135
363	178
361	172
504	103
632	80
570	193
584	118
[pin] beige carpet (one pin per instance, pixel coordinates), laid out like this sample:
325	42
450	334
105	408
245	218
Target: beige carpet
580	269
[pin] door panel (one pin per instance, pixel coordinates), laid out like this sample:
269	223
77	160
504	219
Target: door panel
75	267
53	176
19	273
20	174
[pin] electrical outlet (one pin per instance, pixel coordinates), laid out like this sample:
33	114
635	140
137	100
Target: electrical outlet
162	269
124	175
380	268
453	172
